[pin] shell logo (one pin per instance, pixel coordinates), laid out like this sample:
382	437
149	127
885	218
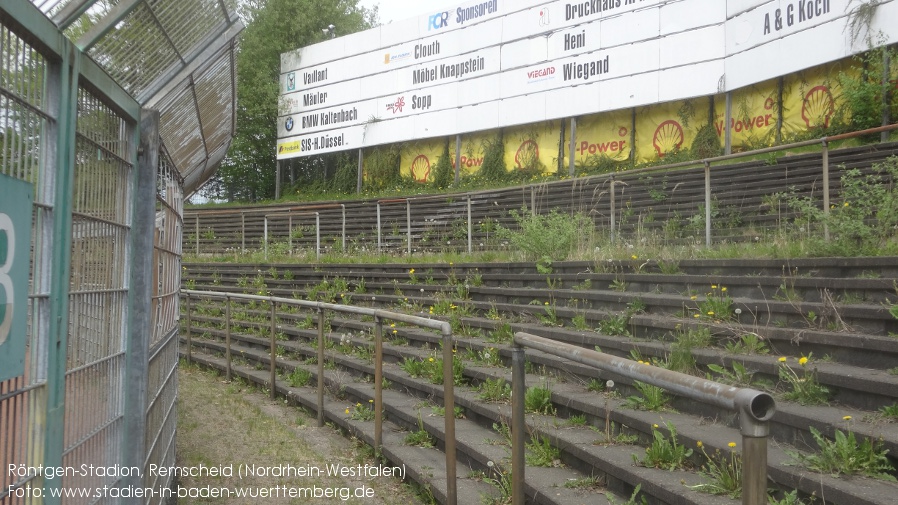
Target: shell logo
817	107
420	168
668	137
527	154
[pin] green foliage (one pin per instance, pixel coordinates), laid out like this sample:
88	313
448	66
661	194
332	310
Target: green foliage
539	400
665	452
847	455
651	398
864	93
361	412
890	410
443	171
724	473
738	376
706	143
804	387
500	479
554	235
864	223
540	452
300	377
382	167
420	437
493	166
633	498
749	343
274	27
717	304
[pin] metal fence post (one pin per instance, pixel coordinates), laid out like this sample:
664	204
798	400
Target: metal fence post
378	384
449	417
612	209
243	233
197	233
290	231
408	223
317	236
273	350
470	227
825	161
321	367
228	339
343	231
707	204
189	341
518	391
378	226
753	423
265	237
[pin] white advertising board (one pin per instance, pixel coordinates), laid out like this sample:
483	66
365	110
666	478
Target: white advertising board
496	63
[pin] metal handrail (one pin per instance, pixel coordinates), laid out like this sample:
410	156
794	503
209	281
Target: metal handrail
754	407
379	316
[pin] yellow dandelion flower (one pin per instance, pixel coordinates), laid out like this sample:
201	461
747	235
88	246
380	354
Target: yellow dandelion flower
845	205
358	404
545	303
699	444
696	316
693	297
710	312
713	286
395	332
803	361
732	445
411	270
655	426
782	359
633	257
392	325
347	410
846	418
430	359
723	289
370	401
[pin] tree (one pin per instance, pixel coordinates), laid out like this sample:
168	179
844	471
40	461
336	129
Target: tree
274	27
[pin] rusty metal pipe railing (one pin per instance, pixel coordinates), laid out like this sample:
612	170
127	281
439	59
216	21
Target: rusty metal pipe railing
379	316
754	407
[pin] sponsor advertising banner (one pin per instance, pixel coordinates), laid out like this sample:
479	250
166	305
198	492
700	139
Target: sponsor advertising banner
753	118
606	134
533	147
810	99
669	127
418	159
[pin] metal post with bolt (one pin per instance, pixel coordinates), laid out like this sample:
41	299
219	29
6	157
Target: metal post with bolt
518	425
228	339
320	367
449	417
273	347
378	384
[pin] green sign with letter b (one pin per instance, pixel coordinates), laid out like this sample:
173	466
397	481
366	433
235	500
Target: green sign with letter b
15	244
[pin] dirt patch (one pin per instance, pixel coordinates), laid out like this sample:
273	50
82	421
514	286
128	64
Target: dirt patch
229	427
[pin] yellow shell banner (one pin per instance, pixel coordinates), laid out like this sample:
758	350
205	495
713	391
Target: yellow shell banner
418	159
668	127
533	147
753	116
472	151
810	98
597	135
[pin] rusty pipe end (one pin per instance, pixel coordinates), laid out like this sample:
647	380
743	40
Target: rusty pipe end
755	409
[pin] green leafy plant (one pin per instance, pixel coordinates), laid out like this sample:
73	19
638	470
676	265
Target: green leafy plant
635	499
890	411
723	473
651	398
847	455
420	437
553	235
539	400
804	386
737	376
665	452
361	412
299	377
717	304
749	343
500	479
540	452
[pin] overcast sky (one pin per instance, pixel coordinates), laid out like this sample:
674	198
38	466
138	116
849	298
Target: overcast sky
397	10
